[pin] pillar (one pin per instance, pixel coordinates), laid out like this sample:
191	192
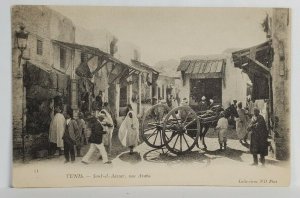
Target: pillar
19	106
140	94
281	81
130	93
117	91
74	90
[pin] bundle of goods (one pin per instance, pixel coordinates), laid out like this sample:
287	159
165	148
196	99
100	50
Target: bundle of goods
209	116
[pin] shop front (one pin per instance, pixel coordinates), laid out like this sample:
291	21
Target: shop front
44	90
256	62
203	78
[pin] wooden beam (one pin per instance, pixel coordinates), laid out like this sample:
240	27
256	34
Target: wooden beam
99	66
112	69
119	75
131	71
260	65
90	58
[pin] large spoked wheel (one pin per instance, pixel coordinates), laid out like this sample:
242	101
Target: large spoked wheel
181	130
152	125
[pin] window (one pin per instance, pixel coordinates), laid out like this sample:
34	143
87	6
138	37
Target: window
39	47
62	58
83	57
158	91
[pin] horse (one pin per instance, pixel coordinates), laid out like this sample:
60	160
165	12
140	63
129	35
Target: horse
230	113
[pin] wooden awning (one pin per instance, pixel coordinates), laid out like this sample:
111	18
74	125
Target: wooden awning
257	61
143	66
105	57
203	68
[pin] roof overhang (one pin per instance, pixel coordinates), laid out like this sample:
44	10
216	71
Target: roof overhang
143	66
255	60
105	57
203	68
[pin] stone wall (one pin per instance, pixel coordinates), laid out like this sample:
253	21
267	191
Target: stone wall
42	24
281	80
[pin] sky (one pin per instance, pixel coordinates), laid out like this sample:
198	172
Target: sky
172	33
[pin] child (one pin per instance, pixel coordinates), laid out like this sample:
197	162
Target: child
222	127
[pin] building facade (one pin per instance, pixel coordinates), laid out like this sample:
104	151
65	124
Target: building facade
214	77
41	77
268	66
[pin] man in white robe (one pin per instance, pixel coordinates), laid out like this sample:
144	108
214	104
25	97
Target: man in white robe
56	132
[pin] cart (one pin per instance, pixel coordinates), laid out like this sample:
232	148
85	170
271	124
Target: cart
178	129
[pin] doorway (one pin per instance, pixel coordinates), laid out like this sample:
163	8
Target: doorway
211	88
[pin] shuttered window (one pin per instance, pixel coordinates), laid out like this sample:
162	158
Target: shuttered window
39	47
62	58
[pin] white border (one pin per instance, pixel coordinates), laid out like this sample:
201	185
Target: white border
5	109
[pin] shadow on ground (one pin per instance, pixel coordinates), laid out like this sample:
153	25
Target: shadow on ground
228	153
163	156
231	134
132	158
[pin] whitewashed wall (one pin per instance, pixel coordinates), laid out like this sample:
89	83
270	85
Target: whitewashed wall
235	87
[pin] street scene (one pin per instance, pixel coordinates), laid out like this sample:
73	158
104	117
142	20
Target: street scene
146	92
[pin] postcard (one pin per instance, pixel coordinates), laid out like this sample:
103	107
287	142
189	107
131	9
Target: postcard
139	96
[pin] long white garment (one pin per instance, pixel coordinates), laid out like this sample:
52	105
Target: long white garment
109	130
57	129
241	124
174	103
222	126
264	112
129	130
92	149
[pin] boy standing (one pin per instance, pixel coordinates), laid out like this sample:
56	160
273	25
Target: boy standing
222	128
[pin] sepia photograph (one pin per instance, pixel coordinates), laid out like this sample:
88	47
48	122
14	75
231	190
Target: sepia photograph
150	96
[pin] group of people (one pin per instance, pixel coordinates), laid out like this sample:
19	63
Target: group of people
249	120
68	135
205	104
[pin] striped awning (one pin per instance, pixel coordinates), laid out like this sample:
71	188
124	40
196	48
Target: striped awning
203	68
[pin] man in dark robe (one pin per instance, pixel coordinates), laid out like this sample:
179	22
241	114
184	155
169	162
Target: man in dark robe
71	137
259	137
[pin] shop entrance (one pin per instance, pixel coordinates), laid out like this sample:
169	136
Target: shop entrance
211	88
